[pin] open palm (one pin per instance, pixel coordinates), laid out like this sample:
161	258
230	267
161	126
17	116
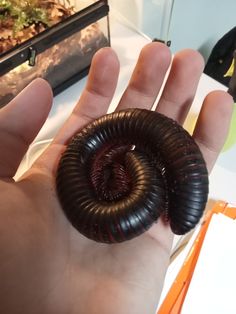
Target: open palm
46	266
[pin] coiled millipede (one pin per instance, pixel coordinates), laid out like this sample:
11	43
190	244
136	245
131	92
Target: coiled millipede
125	169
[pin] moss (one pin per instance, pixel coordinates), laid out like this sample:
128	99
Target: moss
23	13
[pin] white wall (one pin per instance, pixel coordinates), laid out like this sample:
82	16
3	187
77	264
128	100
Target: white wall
130	9
149	16
199	24
196	24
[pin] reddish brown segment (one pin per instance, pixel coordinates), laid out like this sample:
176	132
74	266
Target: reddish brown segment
122	171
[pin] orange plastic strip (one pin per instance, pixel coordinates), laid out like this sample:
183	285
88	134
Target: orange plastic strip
176	295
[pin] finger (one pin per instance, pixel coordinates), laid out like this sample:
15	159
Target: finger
147	77
96	97
20	122
181	85
213	124
93	103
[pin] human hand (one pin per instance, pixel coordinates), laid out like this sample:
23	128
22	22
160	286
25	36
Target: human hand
46	266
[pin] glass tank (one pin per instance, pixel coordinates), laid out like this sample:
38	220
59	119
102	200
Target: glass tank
52	39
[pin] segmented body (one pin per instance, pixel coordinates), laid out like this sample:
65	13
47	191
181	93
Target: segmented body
121	172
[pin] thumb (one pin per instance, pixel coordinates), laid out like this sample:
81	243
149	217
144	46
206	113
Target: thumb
20	122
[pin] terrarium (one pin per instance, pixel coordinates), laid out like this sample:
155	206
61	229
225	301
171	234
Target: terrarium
52	39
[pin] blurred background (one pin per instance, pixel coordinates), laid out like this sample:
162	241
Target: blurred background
192	24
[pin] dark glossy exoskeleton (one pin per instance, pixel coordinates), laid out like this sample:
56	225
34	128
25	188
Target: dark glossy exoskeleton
124	170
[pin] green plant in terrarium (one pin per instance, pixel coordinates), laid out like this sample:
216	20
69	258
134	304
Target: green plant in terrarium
23	13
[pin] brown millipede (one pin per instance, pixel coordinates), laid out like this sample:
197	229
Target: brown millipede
125	169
